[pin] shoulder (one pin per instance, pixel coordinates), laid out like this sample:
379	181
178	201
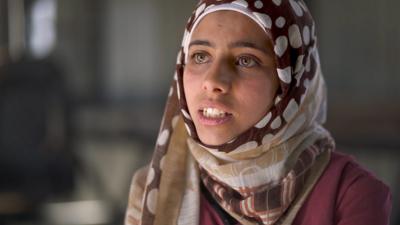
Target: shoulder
346	194
134	208
353	177
361	197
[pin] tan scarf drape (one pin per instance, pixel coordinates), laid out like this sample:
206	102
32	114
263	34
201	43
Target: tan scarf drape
264	175
178	198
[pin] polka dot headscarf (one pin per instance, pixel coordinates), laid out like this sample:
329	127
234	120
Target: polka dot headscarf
292	30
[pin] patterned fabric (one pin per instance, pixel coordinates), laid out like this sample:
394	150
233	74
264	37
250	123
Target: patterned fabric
263	204
264	174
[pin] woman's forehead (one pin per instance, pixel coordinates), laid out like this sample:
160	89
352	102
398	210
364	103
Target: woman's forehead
223	17
218	19
231	28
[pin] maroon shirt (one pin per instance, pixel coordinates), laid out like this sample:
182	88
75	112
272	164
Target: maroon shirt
346	194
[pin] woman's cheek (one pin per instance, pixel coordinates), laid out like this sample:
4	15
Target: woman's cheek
195	69
190	83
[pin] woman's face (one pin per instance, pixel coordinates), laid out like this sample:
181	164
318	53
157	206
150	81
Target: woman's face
230	79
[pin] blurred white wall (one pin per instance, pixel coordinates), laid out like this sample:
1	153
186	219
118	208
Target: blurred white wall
139	55
132	48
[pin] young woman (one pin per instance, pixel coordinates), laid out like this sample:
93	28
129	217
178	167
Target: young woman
241	140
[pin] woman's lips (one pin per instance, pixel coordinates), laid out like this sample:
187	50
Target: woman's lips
212	120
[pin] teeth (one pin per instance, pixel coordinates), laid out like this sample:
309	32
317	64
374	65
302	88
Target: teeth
213	113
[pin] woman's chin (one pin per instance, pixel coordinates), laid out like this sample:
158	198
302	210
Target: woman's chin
214	139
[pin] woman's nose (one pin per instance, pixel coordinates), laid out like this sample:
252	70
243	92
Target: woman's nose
218	79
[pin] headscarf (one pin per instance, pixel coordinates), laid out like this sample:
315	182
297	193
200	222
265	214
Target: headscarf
263	175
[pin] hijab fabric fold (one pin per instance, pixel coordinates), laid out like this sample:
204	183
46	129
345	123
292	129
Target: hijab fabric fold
263	175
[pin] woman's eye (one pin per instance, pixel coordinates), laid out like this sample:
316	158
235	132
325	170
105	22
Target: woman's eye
246	61
200	58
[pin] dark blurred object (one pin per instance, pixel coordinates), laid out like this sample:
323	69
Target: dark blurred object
396	202
36	161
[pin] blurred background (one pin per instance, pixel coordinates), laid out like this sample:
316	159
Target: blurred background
83	85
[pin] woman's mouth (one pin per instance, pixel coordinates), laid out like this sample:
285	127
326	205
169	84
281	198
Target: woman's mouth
213	116
213	113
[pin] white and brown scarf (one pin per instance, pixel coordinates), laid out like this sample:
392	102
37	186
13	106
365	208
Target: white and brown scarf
264	174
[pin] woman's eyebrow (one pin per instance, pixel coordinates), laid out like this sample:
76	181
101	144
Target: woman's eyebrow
201	42
247	44
238	44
